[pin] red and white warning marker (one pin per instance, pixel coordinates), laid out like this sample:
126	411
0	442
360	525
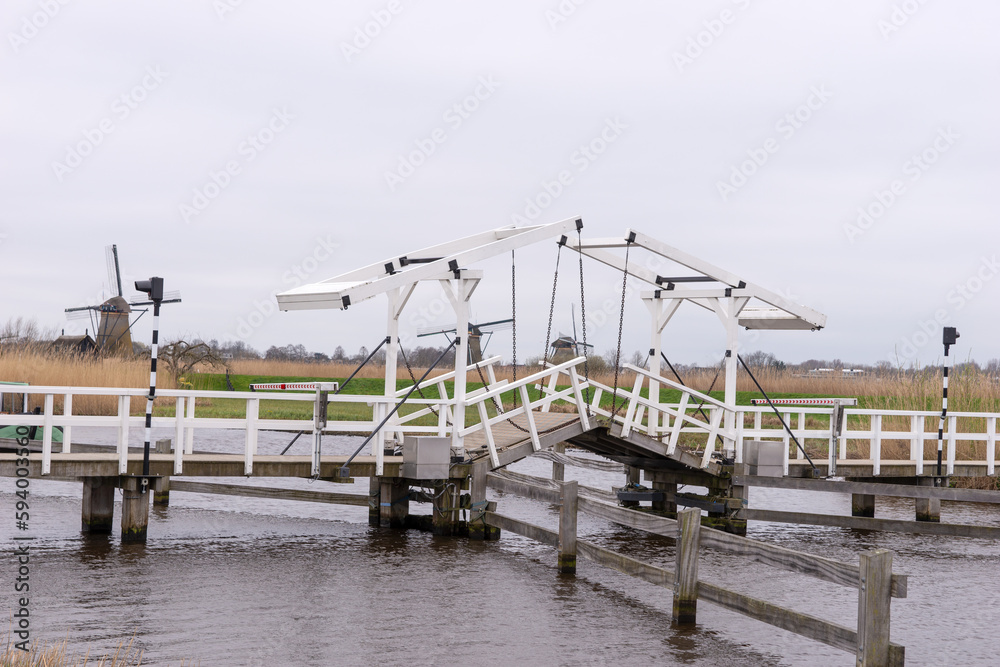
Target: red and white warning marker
806	401
296	386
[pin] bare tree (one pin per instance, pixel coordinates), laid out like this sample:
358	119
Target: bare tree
181	357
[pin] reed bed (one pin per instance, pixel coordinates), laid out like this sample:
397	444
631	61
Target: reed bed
57	655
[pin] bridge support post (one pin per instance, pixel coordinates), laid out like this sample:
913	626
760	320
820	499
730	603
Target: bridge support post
374	498
567	527
478	530
928	509
632	476
98	511
135	510
161	485
394	502
559	469
447	496
685	609
862	504
667	506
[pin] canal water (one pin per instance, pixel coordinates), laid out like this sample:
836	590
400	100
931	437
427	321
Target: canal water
244	581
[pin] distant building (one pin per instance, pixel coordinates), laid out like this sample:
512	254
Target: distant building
75	344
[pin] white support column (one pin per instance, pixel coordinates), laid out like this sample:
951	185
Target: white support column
459	291
391	351
655	307
660	312
729	315
67	441
124	406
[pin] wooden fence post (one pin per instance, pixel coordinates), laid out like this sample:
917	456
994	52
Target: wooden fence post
686	575
567	527
874	597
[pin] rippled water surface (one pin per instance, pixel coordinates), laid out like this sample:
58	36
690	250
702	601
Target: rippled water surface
242	581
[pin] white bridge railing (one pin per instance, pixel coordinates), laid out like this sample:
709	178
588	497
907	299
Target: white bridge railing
185	420
858	434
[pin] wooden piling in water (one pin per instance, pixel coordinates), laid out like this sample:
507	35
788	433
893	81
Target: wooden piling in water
478	528
394	502
98	507
567	527
928	509
874	599
685	609
862	504
446	507
161	486
559	469
668	506
135	510
633	475
374	498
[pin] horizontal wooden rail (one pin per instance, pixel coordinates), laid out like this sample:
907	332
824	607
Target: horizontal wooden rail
270	493
826	569
864	523
805	625
871	488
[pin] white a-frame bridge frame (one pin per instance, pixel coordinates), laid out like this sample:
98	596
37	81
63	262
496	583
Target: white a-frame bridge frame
398	276
706	286
702	284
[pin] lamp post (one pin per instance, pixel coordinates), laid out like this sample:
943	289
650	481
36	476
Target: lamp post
154	289
950	336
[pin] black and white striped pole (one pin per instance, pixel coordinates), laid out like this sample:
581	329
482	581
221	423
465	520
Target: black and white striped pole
950	338
154	288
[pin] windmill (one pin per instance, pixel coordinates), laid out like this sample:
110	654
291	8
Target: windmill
567	347
111	319
476	333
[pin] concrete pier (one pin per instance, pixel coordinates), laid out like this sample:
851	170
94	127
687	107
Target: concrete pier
928	509
98	511
862	505
135	510
394	502
161	486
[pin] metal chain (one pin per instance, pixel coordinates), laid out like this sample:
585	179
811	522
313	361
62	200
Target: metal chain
583	322
621	323
413	378
548	336
552	308
513	317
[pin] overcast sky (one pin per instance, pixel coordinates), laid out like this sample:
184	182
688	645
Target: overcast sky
840	153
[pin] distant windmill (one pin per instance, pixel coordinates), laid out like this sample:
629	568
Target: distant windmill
111	319
476	333
566	347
